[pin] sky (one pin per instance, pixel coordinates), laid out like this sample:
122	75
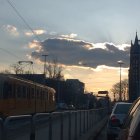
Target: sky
87	38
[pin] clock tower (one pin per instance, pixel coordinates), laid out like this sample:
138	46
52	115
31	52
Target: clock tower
134	70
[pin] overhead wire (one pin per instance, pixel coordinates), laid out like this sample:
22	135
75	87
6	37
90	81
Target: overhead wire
9	53
21	17
24	21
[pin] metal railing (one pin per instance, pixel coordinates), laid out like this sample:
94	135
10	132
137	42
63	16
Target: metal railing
68	125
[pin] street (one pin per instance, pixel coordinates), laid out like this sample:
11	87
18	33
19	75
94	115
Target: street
102	135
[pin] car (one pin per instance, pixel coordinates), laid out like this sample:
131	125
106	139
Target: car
131	127
62	106
71	107
116	119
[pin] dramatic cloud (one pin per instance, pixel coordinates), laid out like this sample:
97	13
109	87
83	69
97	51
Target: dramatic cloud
36	32
77	52
34	44
12	30
69	36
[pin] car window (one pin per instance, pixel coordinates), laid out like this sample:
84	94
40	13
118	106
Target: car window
135	121
122	108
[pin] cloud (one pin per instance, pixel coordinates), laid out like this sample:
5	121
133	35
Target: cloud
36	32
12	30
76	52
123	46
72	35
34	44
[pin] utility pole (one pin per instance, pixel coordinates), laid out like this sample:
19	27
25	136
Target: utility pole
120	94
45	66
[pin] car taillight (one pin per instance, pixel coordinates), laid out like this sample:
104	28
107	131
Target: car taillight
114	121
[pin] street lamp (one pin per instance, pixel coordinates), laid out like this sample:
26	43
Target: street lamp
45	56
120	62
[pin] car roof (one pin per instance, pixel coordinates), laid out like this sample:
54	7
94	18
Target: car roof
123	103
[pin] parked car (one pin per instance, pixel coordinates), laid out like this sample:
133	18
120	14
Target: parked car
71	107
62	106
116	119
131	127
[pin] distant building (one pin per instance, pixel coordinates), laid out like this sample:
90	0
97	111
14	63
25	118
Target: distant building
60	88
134	70
70	91
76	85
74	92
67	91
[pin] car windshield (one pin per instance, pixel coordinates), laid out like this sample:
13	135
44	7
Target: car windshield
122	108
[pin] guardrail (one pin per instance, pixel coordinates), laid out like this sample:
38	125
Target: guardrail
68	125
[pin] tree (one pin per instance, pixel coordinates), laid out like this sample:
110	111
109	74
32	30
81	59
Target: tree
17	68
116	90
14	68
5	72
21	67
54	70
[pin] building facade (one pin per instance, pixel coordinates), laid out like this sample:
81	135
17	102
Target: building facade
134	70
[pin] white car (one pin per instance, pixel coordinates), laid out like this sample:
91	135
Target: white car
116	119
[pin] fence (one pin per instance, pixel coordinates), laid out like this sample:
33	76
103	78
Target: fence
68	125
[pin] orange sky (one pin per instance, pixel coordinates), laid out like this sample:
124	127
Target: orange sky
101	78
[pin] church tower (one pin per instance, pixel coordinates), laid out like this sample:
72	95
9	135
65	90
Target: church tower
134	71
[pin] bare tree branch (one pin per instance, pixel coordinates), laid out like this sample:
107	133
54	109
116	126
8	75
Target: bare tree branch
116	90
54	70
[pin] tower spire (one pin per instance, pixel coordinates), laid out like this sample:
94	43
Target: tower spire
131	43
136	39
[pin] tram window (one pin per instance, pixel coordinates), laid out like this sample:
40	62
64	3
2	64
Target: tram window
47	95
10	90
7	90
43	95
1	90
13	91
32	92
18	91
28	93
24	92
5	93
37	93
40	94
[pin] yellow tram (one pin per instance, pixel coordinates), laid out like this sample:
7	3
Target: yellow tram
19	96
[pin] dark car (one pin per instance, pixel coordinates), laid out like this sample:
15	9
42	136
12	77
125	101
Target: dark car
131	128
116	118
62	106
71	107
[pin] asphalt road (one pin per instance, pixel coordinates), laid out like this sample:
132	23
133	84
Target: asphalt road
102	135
